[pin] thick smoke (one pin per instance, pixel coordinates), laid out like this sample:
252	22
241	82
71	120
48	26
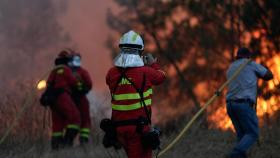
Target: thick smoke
85	21
33	31
29	35
99	106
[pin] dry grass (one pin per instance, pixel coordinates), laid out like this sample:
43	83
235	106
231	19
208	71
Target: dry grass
29	138
216	144
198	143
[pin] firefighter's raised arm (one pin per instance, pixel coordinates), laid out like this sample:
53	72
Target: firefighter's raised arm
155	74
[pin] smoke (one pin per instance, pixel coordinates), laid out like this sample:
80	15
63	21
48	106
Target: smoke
85	21
100	106
32	32
29	35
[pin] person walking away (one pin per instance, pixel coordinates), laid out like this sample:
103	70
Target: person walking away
80	98
241	98
130	83
64	111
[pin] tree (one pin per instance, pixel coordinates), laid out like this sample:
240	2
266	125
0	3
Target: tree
195	40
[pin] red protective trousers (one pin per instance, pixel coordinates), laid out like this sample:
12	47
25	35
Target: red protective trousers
82	102
131	141
65	113
84	111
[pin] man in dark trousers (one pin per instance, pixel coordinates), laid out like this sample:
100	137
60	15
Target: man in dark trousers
241	99
130	82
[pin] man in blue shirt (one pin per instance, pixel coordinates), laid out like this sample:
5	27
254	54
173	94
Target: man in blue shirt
241	98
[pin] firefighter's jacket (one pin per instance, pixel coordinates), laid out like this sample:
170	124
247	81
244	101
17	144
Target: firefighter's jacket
126	102
62	78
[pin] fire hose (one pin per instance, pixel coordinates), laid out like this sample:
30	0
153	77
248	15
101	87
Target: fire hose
30	100
210	101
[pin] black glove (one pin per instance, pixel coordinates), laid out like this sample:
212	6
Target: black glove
149	59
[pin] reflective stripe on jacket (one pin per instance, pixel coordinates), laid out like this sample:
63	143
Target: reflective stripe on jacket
132	96
126	101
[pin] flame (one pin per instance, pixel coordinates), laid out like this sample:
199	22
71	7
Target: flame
256	34
42	85
266	107
221	119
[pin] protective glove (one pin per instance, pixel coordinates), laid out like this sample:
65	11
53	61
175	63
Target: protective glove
149	59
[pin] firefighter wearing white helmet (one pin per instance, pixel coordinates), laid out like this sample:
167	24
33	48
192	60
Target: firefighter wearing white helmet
132	46
131	83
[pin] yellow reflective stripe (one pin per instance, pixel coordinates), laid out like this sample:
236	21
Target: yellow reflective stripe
73	126
60	71
57	134
131	96
85	130
84	135
135	106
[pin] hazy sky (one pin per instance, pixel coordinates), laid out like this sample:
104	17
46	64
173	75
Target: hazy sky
85	21
32	32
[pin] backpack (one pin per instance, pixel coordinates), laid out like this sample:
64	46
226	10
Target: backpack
50	95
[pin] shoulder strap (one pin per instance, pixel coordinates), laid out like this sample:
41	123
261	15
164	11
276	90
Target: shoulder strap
141	93
122	72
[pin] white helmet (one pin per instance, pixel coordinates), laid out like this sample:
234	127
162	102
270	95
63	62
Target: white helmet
131	45
131	39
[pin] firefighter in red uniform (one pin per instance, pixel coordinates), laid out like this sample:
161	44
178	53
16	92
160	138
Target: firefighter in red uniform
65	115
130	83
84	86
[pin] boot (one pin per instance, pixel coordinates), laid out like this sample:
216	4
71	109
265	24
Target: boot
57	143
70	136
